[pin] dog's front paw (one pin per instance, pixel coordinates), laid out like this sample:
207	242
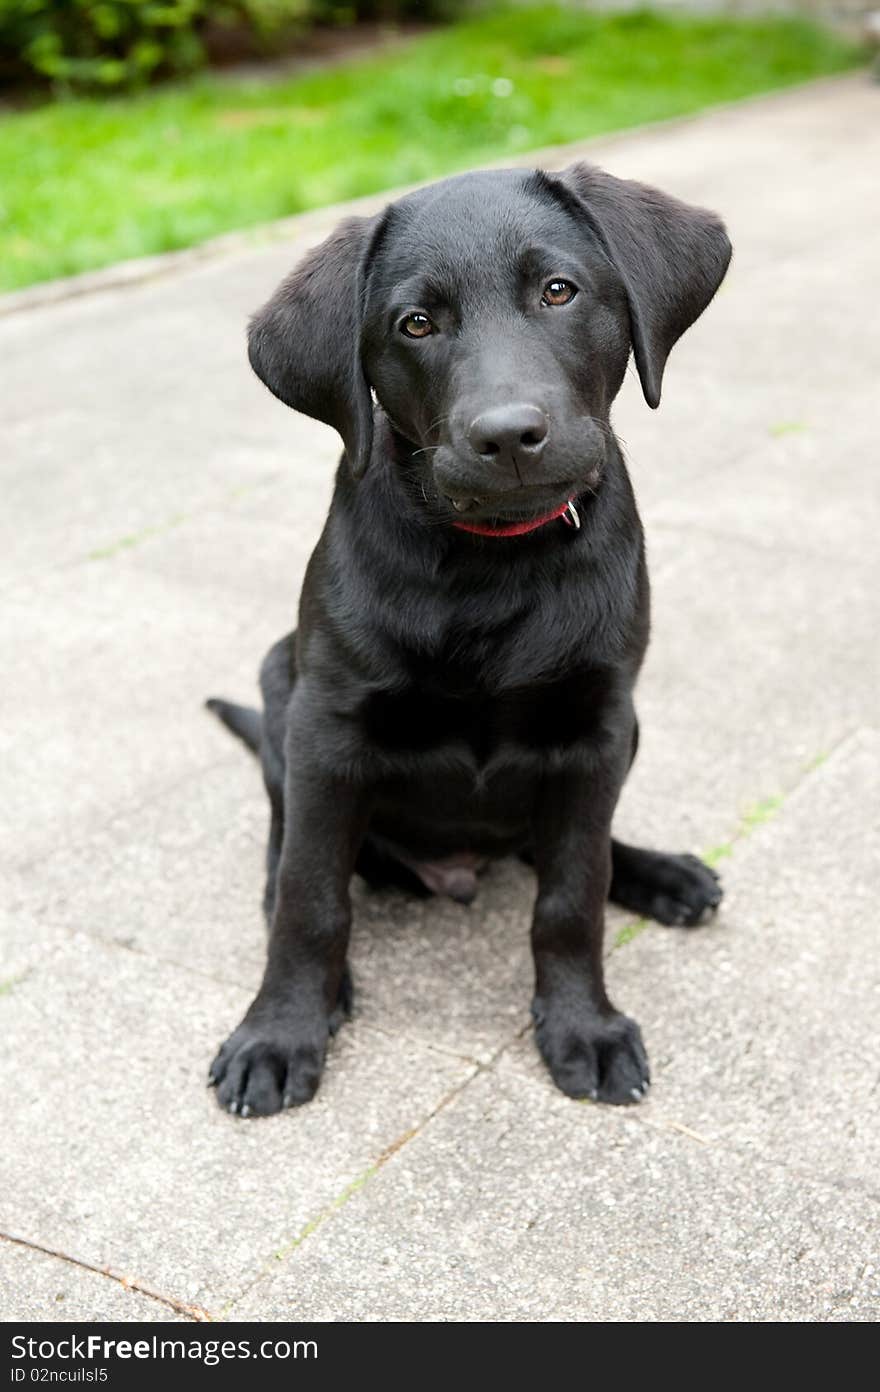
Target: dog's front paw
599	1057
263	1068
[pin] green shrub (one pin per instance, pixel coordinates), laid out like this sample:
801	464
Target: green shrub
124	43
99	43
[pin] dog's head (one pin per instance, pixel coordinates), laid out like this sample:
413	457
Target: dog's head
492	315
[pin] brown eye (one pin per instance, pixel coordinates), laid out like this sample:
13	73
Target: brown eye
416	326
558	292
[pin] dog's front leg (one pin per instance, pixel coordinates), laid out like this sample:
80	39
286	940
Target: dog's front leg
275	1057
591	1049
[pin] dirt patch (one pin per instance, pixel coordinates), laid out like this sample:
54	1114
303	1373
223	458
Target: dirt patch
235	53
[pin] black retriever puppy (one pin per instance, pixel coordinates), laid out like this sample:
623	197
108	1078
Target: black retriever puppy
475	613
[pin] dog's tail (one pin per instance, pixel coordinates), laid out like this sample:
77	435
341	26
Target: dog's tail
243	721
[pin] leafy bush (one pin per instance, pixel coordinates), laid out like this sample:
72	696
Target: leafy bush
123	43
100	43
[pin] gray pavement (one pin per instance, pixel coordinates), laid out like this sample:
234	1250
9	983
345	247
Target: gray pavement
158	511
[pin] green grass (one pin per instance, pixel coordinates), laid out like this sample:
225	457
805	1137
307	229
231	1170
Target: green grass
752	818
90	181
628	932
9	983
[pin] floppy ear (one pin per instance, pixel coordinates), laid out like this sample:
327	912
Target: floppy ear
305	343
671	257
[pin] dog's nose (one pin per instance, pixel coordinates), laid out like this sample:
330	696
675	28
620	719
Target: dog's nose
514	433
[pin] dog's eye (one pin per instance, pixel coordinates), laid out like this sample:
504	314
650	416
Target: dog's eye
416	326
558	292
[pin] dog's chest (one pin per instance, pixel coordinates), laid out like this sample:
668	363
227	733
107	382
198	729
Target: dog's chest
544	716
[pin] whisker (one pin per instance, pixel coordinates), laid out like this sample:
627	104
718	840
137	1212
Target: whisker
603	426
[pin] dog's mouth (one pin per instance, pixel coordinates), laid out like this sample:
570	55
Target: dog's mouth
567	511
507	516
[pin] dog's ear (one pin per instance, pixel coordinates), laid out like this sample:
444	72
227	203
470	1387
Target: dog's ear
304	344
670	255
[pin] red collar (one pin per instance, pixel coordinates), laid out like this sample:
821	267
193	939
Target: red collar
514	529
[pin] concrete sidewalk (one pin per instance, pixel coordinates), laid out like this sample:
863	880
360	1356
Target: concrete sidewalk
158	511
